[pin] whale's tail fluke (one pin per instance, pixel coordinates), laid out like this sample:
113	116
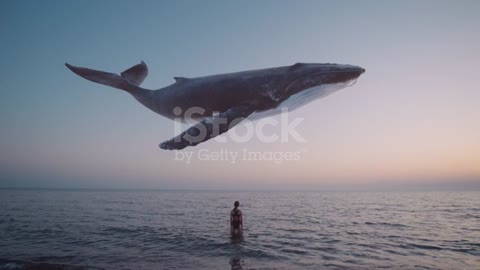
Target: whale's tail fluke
129	80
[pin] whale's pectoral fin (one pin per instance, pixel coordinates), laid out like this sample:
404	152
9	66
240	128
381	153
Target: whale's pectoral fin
209	128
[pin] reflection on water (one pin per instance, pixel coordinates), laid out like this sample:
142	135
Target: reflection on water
236	263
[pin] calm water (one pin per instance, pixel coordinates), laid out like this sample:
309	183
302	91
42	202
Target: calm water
283	230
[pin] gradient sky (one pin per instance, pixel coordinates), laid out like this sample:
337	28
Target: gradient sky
413	117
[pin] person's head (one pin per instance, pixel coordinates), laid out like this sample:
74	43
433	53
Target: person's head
236	204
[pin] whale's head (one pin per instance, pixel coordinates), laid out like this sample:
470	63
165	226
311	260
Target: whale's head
303	83
302	77
293	86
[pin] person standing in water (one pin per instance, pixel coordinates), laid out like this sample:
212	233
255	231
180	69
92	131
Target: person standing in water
236	220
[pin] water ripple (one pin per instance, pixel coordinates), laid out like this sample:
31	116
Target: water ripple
284	230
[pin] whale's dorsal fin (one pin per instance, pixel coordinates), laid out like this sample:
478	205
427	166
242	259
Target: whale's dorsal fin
180	79
208	128
136	74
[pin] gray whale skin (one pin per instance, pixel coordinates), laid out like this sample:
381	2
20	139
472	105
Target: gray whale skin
226	99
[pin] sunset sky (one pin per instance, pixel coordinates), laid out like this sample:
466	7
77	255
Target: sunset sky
412	119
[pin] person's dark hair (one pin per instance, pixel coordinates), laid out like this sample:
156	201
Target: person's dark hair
236	204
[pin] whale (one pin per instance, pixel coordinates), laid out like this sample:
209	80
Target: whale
217	103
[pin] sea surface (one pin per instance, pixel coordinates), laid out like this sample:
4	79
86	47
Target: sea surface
283	230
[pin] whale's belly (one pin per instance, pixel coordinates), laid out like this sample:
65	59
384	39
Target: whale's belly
299	99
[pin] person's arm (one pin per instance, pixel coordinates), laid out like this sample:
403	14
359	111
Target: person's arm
241	220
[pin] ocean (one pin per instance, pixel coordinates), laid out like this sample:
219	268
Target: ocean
113	229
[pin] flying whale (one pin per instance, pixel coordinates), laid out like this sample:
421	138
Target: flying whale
224	100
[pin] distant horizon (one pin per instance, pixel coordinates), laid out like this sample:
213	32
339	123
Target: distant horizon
465	185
